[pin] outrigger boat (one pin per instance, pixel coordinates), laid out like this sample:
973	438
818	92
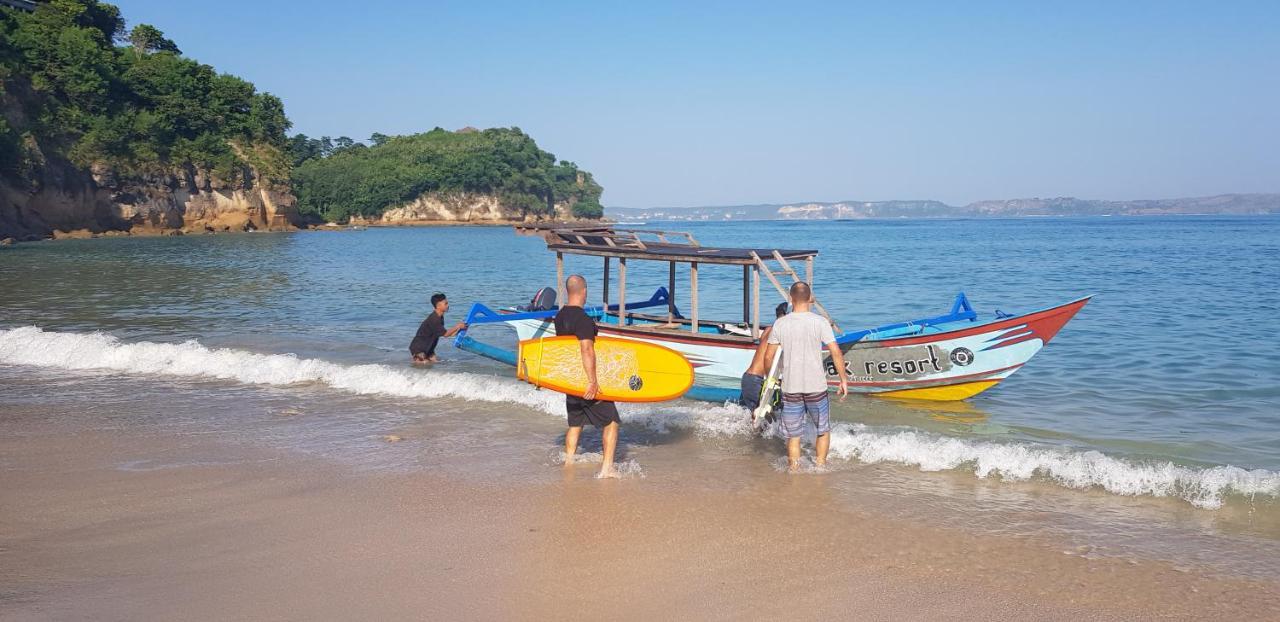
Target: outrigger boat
952	356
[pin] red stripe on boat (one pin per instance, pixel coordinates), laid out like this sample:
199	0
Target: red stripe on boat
1044	323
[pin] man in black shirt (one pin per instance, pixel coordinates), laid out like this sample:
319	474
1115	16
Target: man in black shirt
423	346
572	320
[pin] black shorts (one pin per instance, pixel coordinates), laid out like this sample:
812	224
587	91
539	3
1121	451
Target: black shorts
598	413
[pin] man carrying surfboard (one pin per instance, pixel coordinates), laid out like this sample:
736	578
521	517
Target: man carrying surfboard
802	334
572	320
753	379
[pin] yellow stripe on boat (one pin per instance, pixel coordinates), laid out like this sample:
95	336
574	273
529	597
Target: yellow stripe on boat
946	393
627	370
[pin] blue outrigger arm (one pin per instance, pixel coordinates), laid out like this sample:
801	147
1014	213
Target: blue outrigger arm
481	314
960	310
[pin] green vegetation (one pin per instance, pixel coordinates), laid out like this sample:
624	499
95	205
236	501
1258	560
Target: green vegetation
75	88
337	179
69	91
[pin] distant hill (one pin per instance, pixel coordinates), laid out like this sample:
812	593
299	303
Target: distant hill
1058	206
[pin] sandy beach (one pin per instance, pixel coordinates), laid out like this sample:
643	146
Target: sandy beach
117	525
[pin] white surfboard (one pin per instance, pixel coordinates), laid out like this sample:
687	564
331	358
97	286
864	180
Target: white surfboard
771	383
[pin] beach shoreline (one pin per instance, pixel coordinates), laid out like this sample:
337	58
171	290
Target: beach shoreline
140	524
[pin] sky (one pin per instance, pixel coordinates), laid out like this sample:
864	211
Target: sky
694	104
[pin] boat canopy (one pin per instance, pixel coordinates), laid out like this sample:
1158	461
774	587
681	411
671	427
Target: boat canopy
673	247
652	244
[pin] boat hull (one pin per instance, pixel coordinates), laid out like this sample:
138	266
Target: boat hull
956	361
953	364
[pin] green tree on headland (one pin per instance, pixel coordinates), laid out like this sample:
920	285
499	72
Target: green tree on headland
340	182
147	38
140	108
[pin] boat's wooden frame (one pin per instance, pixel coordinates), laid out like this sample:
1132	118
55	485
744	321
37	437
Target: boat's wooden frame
675	247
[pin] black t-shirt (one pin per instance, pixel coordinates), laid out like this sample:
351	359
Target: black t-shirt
574	321
428	336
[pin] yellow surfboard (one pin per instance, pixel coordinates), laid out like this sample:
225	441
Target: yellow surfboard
628	371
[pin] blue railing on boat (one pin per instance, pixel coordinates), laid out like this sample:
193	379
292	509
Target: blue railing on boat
961	311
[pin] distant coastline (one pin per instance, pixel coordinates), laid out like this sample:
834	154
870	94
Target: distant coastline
1223	204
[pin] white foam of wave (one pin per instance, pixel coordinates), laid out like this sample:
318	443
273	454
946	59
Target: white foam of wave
33	346
1203	487
30	345
622	469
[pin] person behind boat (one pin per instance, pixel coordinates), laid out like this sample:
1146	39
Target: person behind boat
753	379
802	335
423	346
572	320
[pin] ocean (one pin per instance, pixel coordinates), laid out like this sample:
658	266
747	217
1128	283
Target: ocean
1149	426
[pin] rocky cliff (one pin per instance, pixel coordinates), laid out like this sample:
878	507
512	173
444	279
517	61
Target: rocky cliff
461	207
445	207
66	201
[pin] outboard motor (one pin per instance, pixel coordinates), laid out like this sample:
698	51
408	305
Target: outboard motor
544	300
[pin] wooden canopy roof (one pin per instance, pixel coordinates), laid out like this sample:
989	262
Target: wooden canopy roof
649	244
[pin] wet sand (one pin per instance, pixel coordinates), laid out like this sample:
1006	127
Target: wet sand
116	525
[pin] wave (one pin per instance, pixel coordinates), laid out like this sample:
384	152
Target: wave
1202	487
34	346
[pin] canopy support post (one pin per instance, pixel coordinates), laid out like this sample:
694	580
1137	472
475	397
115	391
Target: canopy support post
560	300
808	271
755	294
746	295
671	291
606	285
693	294
622	291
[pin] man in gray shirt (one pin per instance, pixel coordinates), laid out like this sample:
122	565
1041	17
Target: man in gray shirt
802	335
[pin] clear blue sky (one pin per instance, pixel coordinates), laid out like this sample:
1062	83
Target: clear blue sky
672	104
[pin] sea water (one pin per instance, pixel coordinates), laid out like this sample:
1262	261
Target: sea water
1163	392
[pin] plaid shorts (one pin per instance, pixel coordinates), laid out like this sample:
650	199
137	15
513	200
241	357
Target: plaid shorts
795	406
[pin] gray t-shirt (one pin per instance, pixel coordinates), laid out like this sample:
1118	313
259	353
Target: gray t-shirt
803	336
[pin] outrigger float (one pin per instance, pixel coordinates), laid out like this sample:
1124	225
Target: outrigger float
949	357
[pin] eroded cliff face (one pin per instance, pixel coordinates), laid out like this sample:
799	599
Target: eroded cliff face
450	207
71	202
457	207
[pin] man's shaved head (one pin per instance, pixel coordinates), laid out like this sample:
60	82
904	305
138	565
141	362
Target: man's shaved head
800	292
575	284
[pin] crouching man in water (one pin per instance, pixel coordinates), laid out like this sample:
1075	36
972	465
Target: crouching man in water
572	320
753	380
802	335
423	346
